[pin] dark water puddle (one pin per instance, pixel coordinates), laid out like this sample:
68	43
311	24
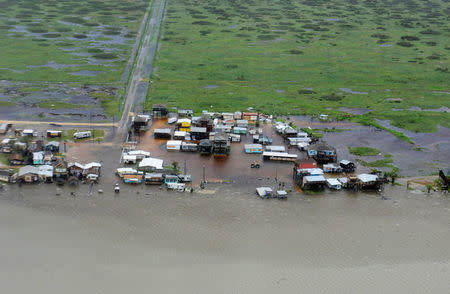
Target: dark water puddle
347	90
87	73
357	111
54	65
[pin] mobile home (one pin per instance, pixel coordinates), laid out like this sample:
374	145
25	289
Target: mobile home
54	134
279	156
82	135
153	178
189	147
253	148
240	131
174	145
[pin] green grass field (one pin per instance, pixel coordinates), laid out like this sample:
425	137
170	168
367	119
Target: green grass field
83	42
302	57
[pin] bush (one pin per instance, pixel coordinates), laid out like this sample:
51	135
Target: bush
363	151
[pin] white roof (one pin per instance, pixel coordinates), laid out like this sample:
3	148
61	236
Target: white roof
38	155
343	180
299	139
139	152
179	133
152	162
53	131
45	170
28	169
276	148
6	141
28	131
262	191
330	165
302	144
312	179
281	192
92	164
365	178
312	171
126	170
240	128
345	162
279	154
77	164
171	120
84	166
183	120
242	121
129	157
174	142
333	181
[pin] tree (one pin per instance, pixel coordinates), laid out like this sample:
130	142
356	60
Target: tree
429	188
175	165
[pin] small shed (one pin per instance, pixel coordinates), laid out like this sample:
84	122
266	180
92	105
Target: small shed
162	133
159	110
334	184
307	163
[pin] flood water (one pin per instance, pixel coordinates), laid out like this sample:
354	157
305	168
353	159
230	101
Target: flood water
223	241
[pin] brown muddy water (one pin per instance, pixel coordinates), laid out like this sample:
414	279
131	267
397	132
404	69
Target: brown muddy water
225	240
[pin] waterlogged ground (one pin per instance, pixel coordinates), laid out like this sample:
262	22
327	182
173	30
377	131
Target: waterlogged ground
224	239
65	45
308	57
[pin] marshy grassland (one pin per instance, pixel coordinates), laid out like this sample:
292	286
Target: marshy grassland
388	59
81	43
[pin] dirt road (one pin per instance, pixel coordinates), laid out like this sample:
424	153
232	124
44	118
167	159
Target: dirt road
137	90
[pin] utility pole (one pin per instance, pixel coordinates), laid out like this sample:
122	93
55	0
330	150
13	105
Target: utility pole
204	179
185	169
